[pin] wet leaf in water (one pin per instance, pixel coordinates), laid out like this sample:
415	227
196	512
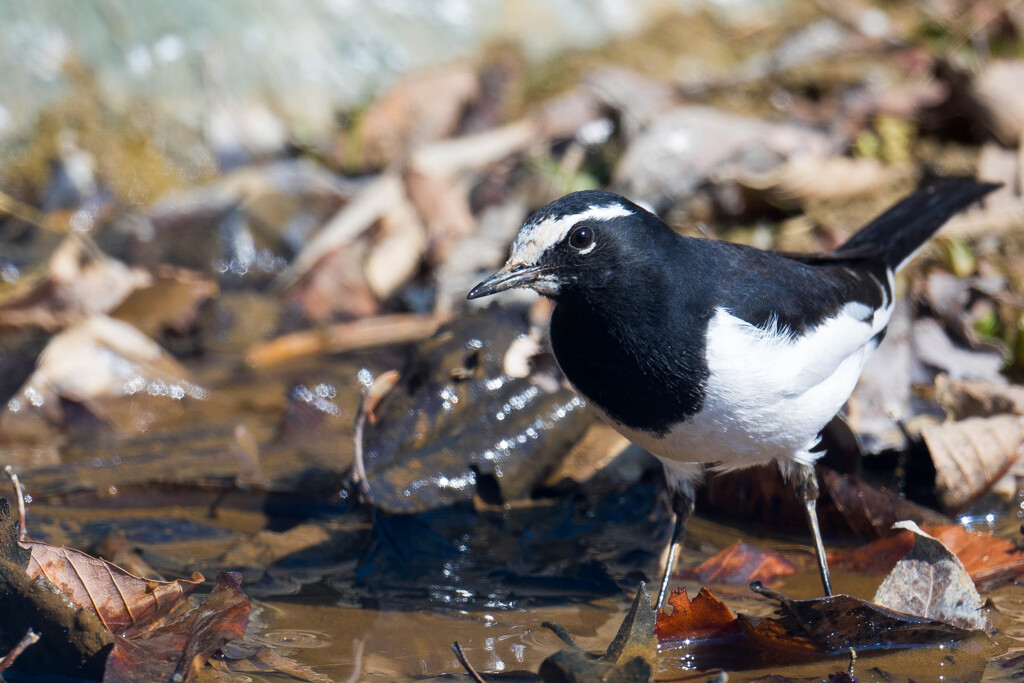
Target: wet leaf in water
739	564
835	624
631	657
931	582
701	619
176	650
972	454
122	601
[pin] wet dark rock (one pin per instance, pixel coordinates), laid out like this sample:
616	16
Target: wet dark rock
457	425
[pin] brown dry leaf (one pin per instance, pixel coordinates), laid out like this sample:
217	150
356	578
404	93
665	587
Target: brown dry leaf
971	455
739	564
336	286
598	447
80	281
935	349
178	649
170	302
422	107
931	582
974	398
98	363
397	250
123	601
703	618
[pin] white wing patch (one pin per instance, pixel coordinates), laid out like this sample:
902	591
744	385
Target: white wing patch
533	240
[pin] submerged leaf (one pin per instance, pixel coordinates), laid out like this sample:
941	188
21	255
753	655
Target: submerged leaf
739	564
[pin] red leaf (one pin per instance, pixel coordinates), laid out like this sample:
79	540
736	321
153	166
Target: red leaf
739	564
703	618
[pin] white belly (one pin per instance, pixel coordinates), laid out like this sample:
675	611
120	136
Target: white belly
769	394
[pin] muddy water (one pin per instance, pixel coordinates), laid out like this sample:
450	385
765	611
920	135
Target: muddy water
359	595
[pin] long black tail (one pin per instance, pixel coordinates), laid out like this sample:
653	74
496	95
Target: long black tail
899	232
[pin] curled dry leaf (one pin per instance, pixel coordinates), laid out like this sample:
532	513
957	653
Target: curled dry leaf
931	582
971	455
123	602
179	648
739	564
397	250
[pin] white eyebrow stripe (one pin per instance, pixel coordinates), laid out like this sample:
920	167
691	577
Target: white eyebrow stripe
533	240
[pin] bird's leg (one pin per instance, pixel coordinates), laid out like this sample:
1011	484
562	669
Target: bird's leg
805	485
682	507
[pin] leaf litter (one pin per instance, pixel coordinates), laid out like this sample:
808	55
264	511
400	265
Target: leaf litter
314	268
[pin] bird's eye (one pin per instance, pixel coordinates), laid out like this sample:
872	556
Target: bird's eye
581	237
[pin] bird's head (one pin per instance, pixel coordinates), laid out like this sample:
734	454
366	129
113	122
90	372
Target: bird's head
575	243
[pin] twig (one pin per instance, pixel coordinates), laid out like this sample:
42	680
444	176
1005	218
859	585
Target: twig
400	328
461	656
853	660
357	658
22	526
30	637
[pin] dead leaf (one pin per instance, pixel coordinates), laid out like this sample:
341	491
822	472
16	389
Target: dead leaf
834	624
739	564
170	302
990	561
975	398
931	582
997	89
972	454
444	209
422	107
869	511
123	602
822	179
703	618
97	363
631	657
178	649
336	286
80	281
397	250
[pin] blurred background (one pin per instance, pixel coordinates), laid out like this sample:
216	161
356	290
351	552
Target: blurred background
223	225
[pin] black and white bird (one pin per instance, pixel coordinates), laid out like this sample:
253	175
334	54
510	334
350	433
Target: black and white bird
709	353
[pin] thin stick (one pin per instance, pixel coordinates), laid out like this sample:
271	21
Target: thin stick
461	656
30	637
22	526
399	328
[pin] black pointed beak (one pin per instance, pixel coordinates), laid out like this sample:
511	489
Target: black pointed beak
510	276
